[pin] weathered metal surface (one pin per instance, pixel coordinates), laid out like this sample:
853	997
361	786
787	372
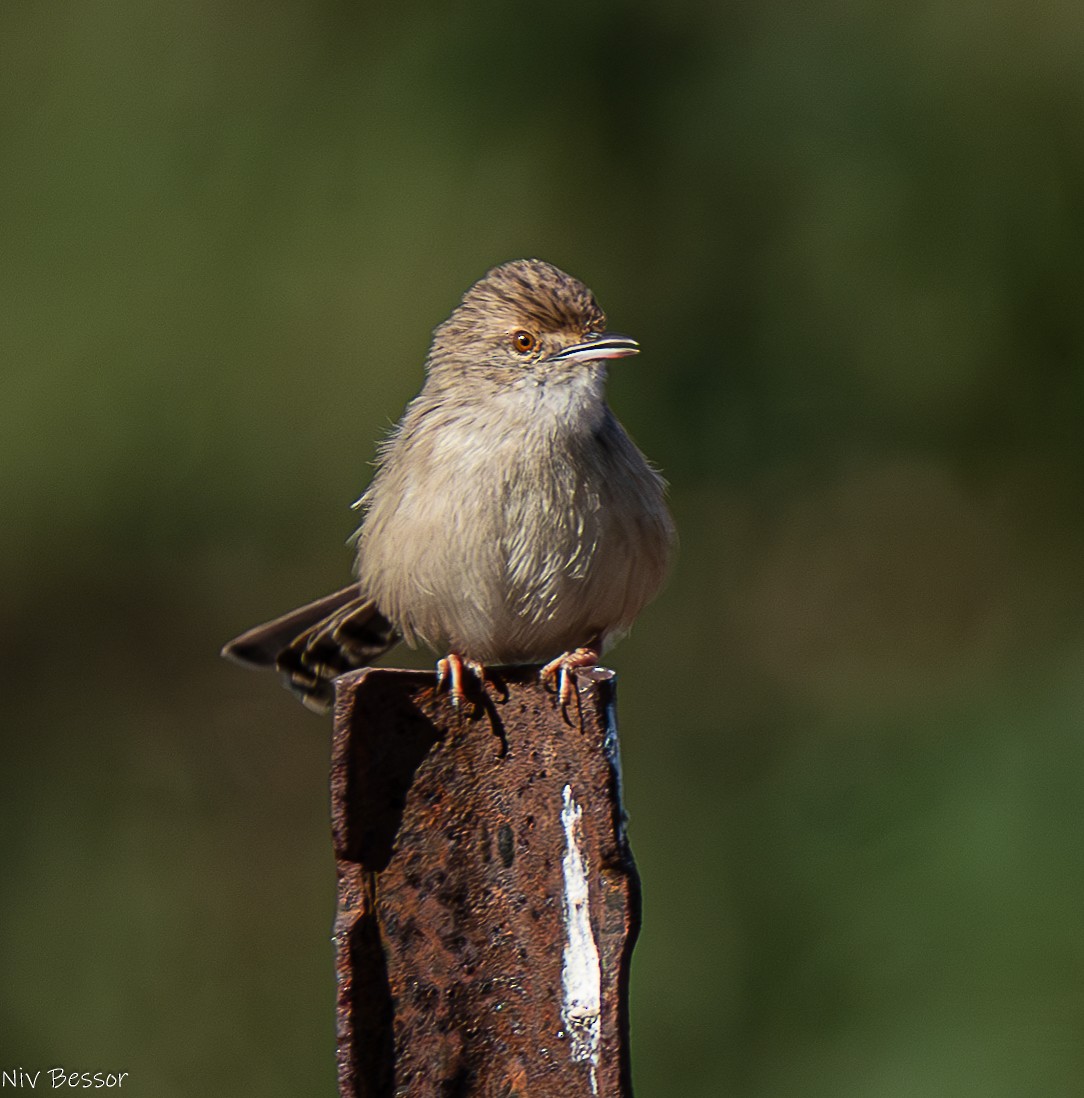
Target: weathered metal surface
488	901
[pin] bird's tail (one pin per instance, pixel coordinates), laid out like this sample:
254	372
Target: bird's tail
314	644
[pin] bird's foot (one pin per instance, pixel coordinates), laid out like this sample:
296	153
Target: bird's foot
560	671
450	675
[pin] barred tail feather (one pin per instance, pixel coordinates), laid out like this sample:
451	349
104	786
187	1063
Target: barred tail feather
314	644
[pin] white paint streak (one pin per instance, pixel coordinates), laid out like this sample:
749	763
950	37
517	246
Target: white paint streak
582	972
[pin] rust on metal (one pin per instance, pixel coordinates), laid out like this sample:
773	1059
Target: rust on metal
488	901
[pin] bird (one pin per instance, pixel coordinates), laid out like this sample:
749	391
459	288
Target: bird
510	520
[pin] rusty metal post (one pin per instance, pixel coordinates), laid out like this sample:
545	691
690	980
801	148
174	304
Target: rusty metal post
488	901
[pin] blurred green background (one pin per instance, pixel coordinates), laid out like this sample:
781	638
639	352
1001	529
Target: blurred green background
849	238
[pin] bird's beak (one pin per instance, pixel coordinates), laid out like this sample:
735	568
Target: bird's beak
598	346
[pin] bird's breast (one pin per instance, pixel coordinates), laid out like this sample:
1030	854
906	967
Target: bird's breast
510	534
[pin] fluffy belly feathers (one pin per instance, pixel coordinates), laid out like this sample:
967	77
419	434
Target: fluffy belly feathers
512	557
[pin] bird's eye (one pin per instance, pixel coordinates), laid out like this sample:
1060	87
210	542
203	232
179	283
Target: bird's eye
523	341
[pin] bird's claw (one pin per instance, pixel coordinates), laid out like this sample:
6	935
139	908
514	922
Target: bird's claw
450	674
560	671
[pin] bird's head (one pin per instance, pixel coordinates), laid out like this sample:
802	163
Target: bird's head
526	320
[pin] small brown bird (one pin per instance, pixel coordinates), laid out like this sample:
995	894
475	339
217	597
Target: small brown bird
511	518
